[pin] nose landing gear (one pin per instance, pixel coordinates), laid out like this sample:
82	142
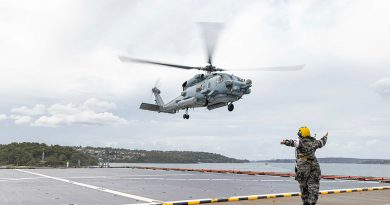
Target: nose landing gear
230	107
186	116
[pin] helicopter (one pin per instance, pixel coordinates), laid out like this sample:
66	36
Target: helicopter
212	89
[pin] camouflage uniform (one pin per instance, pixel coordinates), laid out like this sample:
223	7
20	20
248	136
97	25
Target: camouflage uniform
308	172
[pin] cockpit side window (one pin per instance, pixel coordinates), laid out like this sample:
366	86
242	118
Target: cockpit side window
184	85
238	79
227	77
219	79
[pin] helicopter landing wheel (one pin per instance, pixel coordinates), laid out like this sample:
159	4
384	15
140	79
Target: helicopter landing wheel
186	116
231	107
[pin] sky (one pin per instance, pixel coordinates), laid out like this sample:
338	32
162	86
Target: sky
62	83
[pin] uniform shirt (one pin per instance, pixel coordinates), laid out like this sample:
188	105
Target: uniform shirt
306	147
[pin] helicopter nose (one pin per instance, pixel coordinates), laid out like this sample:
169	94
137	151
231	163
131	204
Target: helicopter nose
246	87
239	86
248	82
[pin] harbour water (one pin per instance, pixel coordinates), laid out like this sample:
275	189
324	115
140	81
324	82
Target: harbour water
374	170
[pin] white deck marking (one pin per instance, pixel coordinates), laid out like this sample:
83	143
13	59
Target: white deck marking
17	179
274	180
140	198
224	179
123	176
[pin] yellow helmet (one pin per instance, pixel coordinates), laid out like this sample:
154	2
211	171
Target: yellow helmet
304	132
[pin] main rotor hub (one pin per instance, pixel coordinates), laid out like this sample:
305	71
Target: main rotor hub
210	68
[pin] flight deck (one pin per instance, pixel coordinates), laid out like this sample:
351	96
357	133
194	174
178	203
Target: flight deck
119	186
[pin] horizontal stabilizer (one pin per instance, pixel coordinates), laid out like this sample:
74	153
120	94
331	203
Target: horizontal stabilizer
150	107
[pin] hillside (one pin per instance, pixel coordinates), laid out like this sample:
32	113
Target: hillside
143	156
40	154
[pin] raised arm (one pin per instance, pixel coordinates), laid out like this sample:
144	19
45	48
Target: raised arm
290	143
322	141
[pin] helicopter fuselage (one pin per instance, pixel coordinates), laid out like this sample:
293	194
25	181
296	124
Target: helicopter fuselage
211	90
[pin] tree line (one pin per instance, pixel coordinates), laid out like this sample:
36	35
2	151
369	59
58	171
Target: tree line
41	154
154	156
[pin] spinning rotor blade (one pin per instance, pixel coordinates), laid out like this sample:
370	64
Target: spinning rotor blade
210	33
279	68
129	59
157	83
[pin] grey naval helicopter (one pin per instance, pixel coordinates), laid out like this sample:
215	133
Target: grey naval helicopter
212	89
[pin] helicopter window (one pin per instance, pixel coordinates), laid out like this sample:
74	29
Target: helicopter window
219	79
198	88
237	78
227	77
199	77
184	85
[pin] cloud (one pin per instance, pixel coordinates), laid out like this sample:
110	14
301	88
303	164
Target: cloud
73	55
382	87
98	105
81	118
3	117
20	119
38	109
91	112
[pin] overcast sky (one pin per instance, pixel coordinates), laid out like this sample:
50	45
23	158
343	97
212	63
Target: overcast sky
62	83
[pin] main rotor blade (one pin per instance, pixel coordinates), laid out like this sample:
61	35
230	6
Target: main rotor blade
129	59
210	33
157	83
279	68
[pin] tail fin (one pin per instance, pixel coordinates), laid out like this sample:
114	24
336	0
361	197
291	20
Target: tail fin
157	96
154	107
150	107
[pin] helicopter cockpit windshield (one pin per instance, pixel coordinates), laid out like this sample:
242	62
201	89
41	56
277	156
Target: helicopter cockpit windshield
219	78
222	77
237	78
227	77
194	80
